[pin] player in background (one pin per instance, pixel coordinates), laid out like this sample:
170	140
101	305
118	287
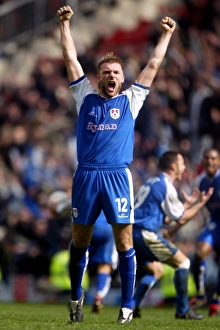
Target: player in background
209	240
156	201
105	140
101	259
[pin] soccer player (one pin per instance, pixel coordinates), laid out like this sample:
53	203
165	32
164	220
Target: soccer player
156	201
101	255
209	239
105	138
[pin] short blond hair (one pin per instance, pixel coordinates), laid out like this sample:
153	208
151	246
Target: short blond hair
110	58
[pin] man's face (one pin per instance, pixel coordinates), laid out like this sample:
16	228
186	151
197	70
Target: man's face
180	167
211	162
110	79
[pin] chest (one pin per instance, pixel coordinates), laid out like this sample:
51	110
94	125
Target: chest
215	183
98	110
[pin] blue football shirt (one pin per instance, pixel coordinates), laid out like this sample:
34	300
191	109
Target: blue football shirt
156	199
105	131
203	183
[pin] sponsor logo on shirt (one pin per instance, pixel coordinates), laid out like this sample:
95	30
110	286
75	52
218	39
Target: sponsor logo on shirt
101	127
115	113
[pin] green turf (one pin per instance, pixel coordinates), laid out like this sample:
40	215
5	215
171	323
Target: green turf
26	316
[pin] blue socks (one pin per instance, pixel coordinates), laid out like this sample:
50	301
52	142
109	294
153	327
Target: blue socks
142	289
127	270
181	285
77	267
216	295
103	282
199	274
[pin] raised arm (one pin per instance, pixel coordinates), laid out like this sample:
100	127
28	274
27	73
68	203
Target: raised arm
147	75
74	69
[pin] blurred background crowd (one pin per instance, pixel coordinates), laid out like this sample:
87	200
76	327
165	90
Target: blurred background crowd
38	118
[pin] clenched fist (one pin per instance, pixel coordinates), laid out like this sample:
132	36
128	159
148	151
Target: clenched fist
168	24
64	13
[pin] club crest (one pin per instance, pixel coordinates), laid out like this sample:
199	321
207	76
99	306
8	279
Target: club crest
75	212
115	113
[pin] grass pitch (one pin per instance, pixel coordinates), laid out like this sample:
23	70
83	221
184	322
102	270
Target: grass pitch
30	316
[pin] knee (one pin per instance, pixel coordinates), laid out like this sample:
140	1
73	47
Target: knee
80	243
158	272
202	251
123	246
123	243
185	264
155	268
81	236
123	237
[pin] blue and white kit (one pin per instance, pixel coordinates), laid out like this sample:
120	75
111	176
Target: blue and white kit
211	233
156	199
105	139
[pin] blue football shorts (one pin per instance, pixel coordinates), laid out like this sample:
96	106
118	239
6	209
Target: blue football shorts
107	188
151	247
211	235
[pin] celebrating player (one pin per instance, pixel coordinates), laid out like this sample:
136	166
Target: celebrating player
209	240
101	255
155	200
105	138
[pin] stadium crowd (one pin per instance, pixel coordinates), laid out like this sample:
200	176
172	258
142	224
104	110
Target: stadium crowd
38	123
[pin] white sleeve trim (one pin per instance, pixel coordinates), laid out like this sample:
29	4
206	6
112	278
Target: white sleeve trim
171	205
80	88
136	95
